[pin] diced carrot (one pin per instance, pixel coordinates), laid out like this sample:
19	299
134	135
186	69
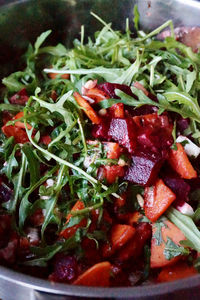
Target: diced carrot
117	110
56	75
121	234
157	199
175	272
180	163
89	111
139	86
96	94
68	232
97	275
113	150
169	230
135	246
111	173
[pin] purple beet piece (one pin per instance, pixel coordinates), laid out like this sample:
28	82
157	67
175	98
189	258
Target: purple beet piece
182	124
100	131
109	89
65	268
178	186
5	193
123	131
142	110
144	168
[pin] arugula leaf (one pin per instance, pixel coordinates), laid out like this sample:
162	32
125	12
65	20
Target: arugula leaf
18	185
12	82
158	233
136	17
187	226
191	106
172	250
58	107
33	164
26	207
40	40
10	107
11	163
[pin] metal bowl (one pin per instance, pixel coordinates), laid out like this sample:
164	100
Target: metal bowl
22	21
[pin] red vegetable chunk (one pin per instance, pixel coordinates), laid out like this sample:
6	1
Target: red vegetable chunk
157	199
123	132
100	131
178	186
109	89
65	269
19	98
144	168
135	246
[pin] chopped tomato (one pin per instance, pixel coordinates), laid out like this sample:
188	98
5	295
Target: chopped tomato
111	173
17	130
113	150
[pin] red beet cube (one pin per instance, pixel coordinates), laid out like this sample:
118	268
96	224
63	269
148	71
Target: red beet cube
123	132
19	98
109	89
144	168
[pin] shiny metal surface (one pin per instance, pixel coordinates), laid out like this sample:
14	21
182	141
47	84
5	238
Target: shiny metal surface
29	18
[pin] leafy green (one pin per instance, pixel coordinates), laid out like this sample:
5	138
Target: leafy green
158	233
136	16
187	226
172	250
40	40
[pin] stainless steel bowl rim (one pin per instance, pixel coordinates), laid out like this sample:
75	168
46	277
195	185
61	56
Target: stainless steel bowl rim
42	285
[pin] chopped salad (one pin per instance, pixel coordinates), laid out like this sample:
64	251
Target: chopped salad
99	153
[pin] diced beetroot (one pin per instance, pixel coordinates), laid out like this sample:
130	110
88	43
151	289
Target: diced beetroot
178	186
144	168
109	89
65	269
182	124
123	132
154	131
143	110
19	98
100	131
8	253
